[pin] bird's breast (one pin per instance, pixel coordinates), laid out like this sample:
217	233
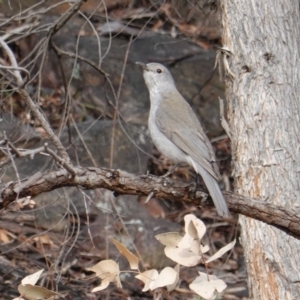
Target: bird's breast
161	141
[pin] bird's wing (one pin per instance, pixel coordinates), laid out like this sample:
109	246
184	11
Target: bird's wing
186	133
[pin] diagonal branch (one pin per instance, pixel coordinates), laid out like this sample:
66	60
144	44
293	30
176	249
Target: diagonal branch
123	183
28	100
21	83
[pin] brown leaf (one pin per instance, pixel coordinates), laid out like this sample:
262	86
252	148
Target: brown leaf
32	292
132	259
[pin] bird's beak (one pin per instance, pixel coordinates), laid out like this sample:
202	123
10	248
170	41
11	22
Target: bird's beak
142	65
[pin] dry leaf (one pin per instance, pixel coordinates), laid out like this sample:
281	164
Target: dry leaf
183	257
190	243
200	228
168	277
32	292
204	249
194	226
4	236
148	277
221	251
107	270
191	230
104	284
177	268
132	259
206	286
43	239
186	250
187	220
173	286
169	238
33	278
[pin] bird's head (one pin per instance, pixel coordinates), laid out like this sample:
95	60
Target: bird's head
157	77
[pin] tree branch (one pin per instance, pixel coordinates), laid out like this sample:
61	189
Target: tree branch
33	106
123	183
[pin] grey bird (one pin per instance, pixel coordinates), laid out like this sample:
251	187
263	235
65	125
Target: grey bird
176	131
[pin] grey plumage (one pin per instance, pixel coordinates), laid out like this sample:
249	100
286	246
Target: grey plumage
177	133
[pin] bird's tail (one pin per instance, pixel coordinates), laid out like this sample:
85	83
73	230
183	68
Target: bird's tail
214	190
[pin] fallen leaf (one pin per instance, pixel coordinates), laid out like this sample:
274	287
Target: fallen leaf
132	259
221	251
104	284
32	292
185	250
169	238
189	243
43	239
107	270
204	249
148	277
168	277
183	257
188	227
200	228
206	286
4	236
33	278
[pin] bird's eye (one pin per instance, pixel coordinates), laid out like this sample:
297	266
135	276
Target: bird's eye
158	71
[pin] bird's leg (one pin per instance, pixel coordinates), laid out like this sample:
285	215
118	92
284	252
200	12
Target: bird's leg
194	185
197	179
172	170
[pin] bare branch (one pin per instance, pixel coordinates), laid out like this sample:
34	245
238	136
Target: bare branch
19	30
223	119
123	183
81	58
44	123
65	17
35	109
20	153
14	64
60	161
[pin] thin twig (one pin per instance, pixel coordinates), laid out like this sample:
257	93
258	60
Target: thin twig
22	153
223	119
69	167
117	105
44	123
29	181
34	108
81	58
13	164
22	12
14	64
80	136
96	34
9	68
19	30
223	53
65	17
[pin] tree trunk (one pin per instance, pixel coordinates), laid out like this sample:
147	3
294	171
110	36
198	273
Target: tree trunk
264	118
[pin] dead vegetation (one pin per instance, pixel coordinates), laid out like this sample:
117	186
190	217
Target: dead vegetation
46	93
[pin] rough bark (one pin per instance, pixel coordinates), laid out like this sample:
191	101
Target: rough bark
122	182
263	112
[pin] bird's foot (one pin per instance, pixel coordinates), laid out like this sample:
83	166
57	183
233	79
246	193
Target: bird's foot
194	185
171	170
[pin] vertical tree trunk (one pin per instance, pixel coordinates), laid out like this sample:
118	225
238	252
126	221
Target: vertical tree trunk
264	116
